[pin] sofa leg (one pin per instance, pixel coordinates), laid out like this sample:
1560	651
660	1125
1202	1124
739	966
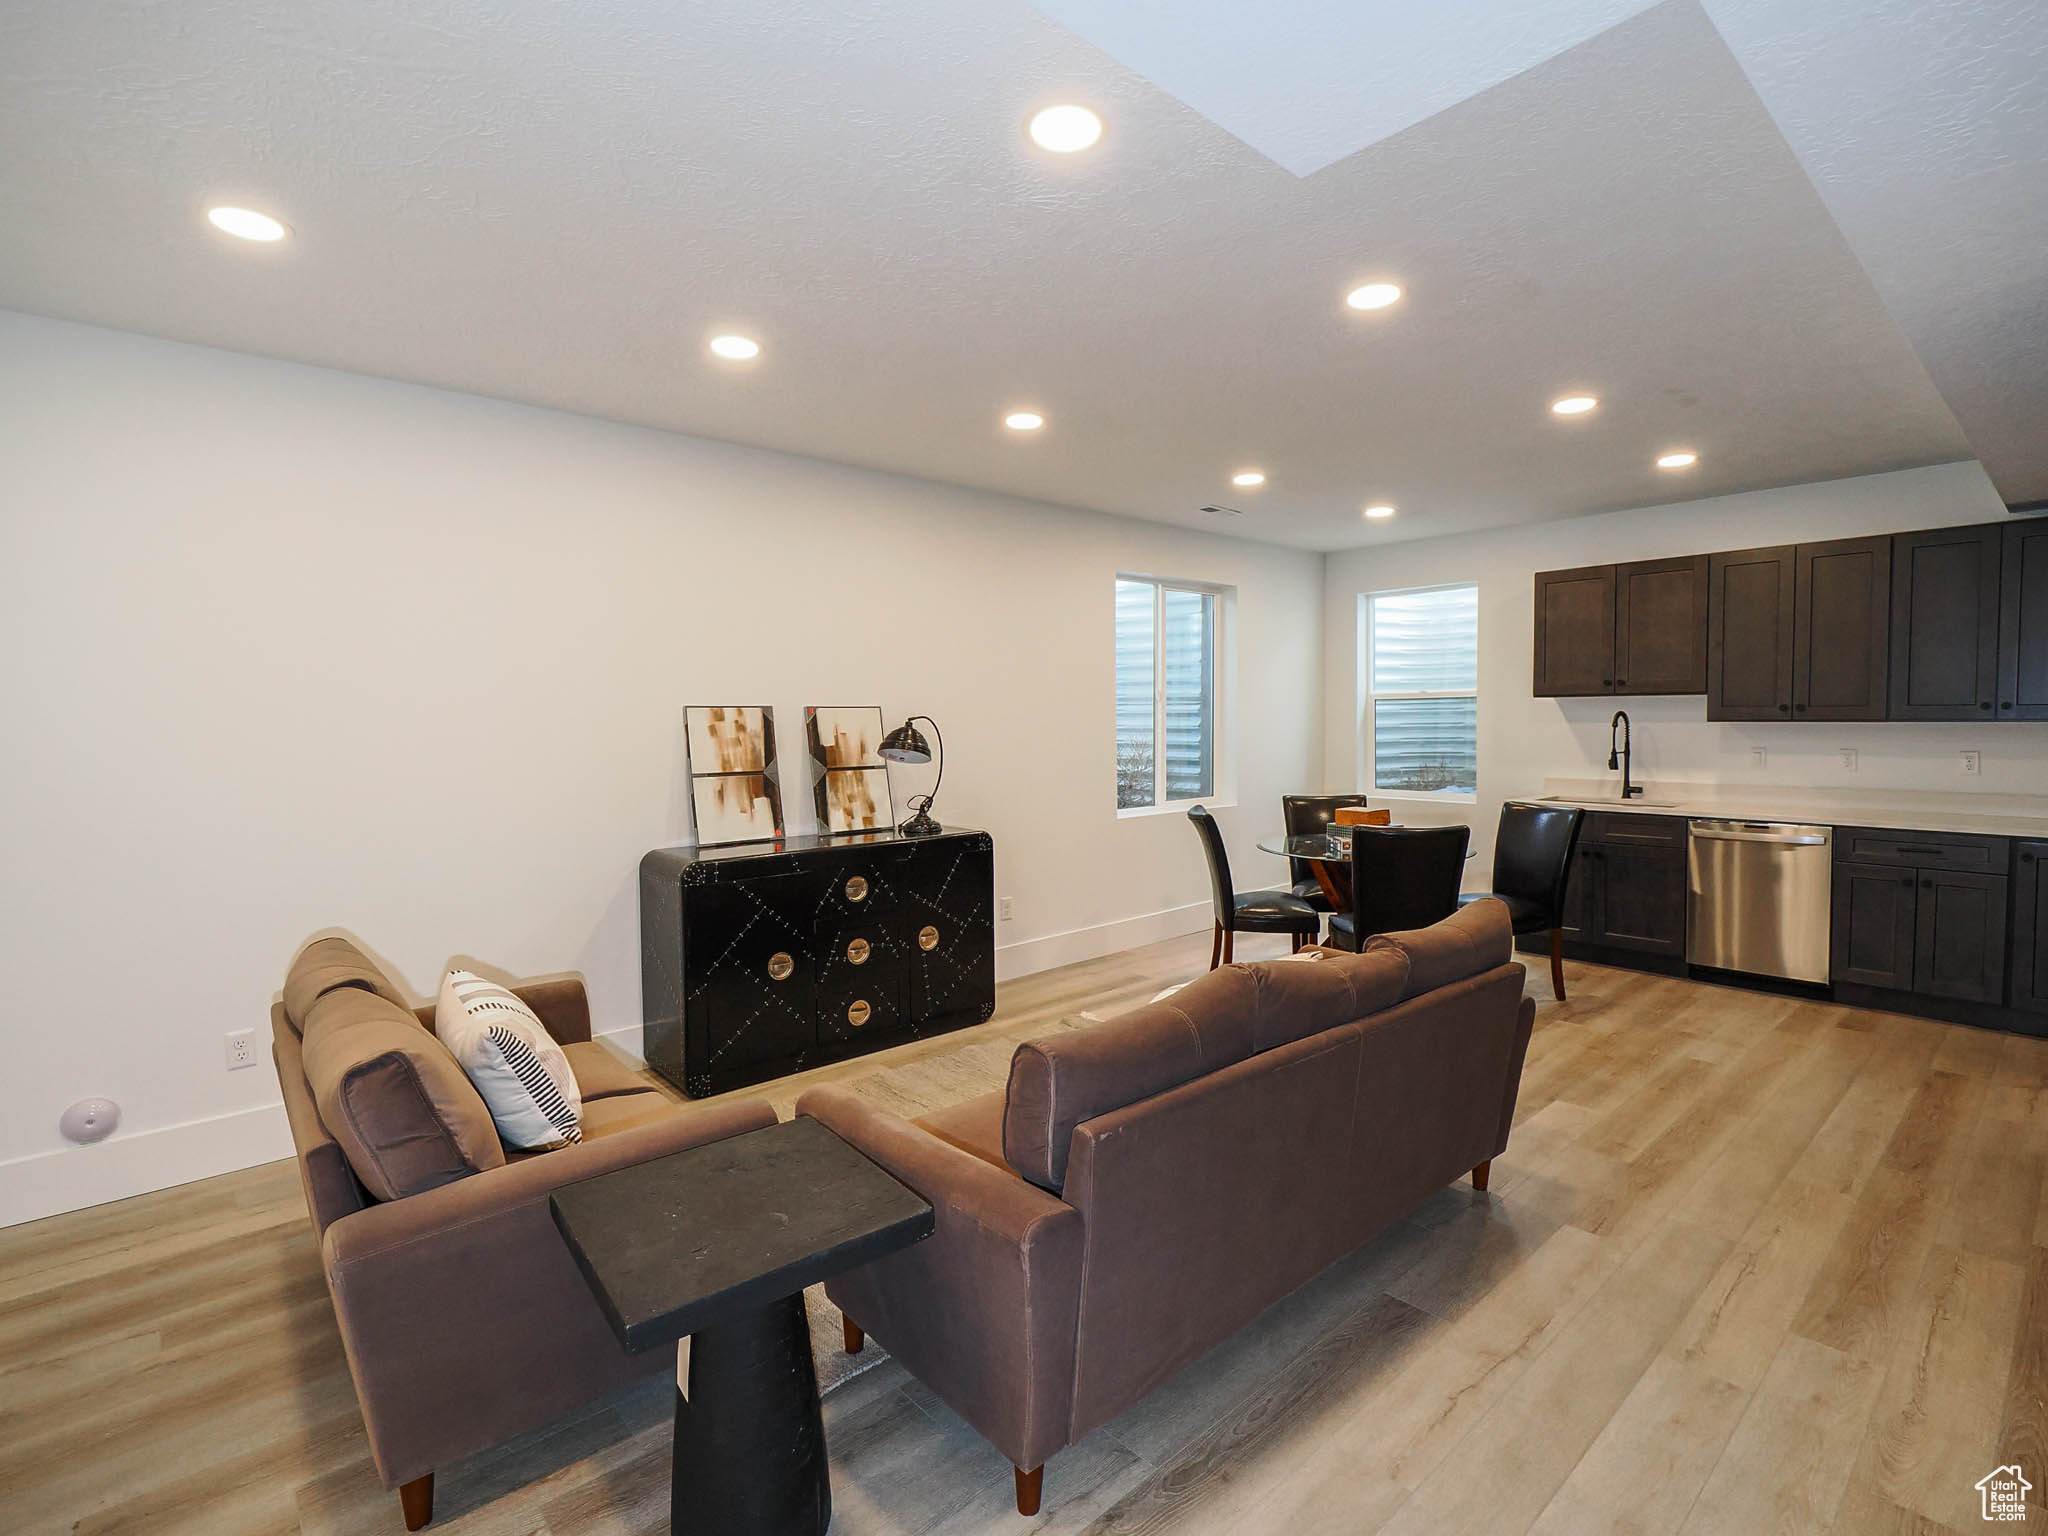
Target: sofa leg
1029	1486
1481	1174
1557	962
856	1341
416	1501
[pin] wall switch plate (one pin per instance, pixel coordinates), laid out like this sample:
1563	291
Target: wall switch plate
1848	759
1759	758
1003	909
241	1049
1973	762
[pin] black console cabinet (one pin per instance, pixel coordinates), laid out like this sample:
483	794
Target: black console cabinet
762	959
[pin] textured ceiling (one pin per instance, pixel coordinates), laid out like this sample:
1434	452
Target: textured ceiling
558	204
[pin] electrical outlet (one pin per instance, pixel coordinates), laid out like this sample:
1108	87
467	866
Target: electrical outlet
241	1049
1848	759
1973	763
1003	909
1759	758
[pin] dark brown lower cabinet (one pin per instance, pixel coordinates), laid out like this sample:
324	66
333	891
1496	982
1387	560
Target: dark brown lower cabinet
1627	888
1873	928
1934	932
2030	928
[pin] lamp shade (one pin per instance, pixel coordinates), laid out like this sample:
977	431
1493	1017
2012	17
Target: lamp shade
906	744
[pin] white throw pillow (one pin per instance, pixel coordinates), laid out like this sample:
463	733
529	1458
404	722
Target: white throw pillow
513	1061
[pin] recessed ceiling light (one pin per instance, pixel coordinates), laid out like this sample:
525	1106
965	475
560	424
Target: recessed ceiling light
1683	459
246	224
735	349
1023	421
1574	405
1373	296
1248	477
1380	510
1066	129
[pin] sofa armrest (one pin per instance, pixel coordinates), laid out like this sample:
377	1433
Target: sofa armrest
1518	1053
983	1311
466	1320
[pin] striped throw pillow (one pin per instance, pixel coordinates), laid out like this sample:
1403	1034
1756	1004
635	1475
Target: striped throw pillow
514	1062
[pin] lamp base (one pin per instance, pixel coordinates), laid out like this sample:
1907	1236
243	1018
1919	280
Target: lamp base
921	825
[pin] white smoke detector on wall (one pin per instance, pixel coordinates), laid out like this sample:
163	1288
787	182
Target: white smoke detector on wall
90	1120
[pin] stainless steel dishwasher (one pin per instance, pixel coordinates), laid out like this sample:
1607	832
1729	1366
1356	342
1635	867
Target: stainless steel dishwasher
1760	893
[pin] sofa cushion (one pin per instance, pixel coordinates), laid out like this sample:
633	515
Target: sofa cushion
600	1074
514	1062
974	1125
393	1096
324	965
1476	938
1060	1080
626	1112
1298	997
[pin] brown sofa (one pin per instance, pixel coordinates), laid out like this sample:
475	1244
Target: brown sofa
1145	1187
463	1316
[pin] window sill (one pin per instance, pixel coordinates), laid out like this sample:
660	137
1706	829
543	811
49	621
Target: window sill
1419	796
1173	808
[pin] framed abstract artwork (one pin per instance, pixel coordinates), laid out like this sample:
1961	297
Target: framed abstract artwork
849	780
735	785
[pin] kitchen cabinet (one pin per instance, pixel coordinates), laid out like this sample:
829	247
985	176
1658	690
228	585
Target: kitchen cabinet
1873	926
1945	623
1959	936
1800	632
2029	969
1632	629
2023	621
1627	887
1750	634
1921	913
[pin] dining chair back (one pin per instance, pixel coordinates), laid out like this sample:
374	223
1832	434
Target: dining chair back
1401	878
1252	912
1532	866
1221	893
1303	814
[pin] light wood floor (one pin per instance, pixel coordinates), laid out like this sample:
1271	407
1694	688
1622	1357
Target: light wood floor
1750	1264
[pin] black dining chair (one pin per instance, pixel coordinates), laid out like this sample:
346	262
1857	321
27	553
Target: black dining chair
1304	814
1532	862
1254	911
1401	878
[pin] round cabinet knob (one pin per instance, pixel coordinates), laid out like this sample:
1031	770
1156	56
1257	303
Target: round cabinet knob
1784	709
1621	682
857	951
857	888
780	966
1986	704
1926	885
927	937
857	1012
1905	880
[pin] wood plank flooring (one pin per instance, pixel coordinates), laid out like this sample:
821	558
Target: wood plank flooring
1750	1264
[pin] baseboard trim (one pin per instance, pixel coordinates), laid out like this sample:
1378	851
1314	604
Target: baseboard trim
137	1163
1054	949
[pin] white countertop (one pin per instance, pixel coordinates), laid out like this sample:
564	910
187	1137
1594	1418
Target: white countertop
1905	810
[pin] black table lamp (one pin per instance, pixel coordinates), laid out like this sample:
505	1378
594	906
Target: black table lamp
906	744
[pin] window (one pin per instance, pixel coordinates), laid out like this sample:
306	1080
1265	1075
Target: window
1165	693
1420	668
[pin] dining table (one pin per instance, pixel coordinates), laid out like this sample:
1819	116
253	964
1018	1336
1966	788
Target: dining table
1328	853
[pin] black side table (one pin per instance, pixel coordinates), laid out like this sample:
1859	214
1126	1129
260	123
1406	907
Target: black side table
718	1242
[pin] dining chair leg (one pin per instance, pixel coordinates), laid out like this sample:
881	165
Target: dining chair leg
1557	962
1216	948
1229	944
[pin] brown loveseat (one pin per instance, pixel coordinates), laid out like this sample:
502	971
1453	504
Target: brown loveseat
463	1316
1145	1187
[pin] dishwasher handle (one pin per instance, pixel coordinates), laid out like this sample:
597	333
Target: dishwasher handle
1783	839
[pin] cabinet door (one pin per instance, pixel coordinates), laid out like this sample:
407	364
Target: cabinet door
1841	650
1575	632
2030	929
1660	626
1642	902
1872	935
2023	622
1945	623
1960	948
1749	634
947	931
751	978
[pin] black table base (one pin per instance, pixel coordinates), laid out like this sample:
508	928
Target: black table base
750	1438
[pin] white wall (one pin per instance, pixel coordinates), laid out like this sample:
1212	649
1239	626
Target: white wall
1524	740
288	648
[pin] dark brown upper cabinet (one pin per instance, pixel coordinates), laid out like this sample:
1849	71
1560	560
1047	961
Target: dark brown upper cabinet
2023	621
1841	654
1750	633
1622	629
1945	601
1575	632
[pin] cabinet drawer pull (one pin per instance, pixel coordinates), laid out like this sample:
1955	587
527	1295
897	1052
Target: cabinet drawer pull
1926	885
927	937
1925	853
857	952
857	888
1905	879
1985	704
1784	709
780	966
857	1012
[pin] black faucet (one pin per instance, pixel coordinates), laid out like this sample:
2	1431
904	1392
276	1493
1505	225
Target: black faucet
1618	752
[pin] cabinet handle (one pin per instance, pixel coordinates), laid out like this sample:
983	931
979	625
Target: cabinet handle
857	888
1905	879
1926	885
1801	708
1985	705
1784	709
857	952
2005	704
2026	858
857	1012
780	966
927	937
1621	682
1924	853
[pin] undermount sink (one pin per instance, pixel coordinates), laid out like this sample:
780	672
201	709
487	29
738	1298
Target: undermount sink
1614	800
